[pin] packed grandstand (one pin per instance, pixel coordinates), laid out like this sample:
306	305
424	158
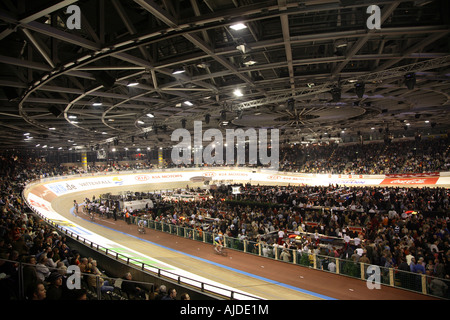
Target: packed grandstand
401	227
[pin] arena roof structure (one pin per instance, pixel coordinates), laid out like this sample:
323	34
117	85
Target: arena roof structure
121	72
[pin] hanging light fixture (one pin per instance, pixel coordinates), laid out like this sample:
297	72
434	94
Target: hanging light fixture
238	26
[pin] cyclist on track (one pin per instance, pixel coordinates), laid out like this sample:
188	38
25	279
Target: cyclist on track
218	242
141	226
75	205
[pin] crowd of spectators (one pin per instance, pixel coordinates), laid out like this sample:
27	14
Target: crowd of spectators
411	156
43	253
377	157
400	228
35	259
380	225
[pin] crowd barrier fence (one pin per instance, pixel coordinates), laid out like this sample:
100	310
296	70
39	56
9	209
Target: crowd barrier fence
201	286
393	277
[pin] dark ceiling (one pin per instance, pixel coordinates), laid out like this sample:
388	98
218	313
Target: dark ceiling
287	62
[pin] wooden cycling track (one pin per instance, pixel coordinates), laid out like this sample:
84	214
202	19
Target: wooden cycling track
263	277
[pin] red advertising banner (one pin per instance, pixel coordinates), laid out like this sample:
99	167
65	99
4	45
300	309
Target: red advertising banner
357	229
406	181
414	175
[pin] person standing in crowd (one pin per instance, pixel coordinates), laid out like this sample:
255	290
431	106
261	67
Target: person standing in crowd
171	294
42	270
55	290
185	296
37	291
129	287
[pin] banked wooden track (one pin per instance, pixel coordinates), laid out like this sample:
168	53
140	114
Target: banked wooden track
262	277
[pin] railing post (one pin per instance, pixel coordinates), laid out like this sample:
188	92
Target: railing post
391	277
362	271
338	264
314	261
22	292
99	292
424	283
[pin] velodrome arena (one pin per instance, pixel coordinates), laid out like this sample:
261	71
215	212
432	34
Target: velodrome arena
311	135
240	273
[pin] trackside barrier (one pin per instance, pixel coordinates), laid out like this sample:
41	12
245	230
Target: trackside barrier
220	292
420	283
342	267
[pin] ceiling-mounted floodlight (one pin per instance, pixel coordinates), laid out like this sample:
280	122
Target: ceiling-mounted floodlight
97	104
178	71
410	80
243	48
238	26
203	65
360	88
188	103
339	43
248	61
150	115
238	93
132	83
